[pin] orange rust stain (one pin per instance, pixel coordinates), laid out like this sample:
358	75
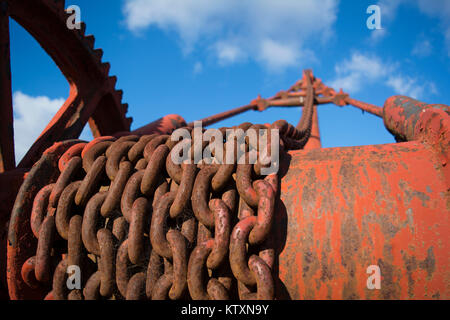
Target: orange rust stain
354	207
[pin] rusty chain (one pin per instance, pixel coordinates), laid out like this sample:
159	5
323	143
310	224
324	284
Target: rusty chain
140	226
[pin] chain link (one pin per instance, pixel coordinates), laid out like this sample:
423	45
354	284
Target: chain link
142	227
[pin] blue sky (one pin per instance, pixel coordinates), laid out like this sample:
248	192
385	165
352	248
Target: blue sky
196	58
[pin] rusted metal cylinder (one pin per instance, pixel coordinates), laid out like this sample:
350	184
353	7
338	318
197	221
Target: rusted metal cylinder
408	119
404	117
345	209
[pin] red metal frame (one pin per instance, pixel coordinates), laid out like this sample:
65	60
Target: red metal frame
7	160
92	97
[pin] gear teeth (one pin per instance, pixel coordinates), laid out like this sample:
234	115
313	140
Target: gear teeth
119	94
82	29
129	121
87	43
98	54
90	40
112	80
106	66
57	6
60	4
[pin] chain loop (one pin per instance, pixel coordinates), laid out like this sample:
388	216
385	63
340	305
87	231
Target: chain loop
178	245
238	251
201	194
222	223
107	264
39	210
141	226
196	270
73	151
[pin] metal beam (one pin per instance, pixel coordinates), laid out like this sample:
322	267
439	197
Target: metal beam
7	159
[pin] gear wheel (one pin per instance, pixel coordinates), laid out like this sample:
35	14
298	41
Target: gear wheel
93	97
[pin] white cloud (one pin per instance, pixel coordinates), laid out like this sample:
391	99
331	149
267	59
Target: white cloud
198	67
272	32
278	56
434	8
189	18
359	70
368	70
369	66
377	34
441	10
406	86
422	48
31	116
228	52
389	9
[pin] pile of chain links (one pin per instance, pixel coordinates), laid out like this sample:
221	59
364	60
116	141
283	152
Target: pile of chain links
140	226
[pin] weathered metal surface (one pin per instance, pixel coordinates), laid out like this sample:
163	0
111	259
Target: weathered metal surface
314	141
164	125
10	183
410	119
20	236
348	208
367	107
344	209
7	160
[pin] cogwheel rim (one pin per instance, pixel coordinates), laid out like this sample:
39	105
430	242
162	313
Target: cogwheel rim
93	96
